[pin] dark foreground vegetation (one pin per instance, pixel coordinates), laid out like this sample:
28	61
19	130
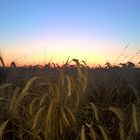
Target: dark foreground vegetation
69	103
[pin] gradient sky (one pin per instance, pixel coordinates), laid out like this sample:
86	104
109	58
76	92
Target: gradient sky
38	31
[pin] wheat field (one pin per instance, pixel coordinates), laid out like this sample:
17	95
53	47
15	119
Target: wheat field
69	103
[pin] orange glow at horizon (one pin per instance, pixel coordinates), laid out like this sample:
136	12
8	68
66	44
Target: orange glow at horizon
57	51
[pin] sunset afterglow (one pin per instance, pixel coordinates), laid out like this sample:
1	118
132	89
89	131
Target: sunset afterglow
39	31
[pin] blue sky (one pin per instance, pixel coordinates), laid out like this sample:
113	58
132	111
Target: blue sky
103	27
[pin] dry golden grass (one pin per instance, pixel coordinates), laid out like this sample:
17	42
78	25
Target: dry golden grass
76	105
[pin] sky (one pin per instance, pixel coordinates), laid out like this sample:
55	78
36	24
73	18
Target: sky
96	31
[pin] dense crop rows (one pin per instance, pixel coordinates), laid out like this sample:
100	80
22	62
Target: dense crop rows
69	103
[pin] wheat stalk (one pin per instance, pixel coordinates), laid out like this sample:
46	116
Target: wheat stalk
2	127
83	137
